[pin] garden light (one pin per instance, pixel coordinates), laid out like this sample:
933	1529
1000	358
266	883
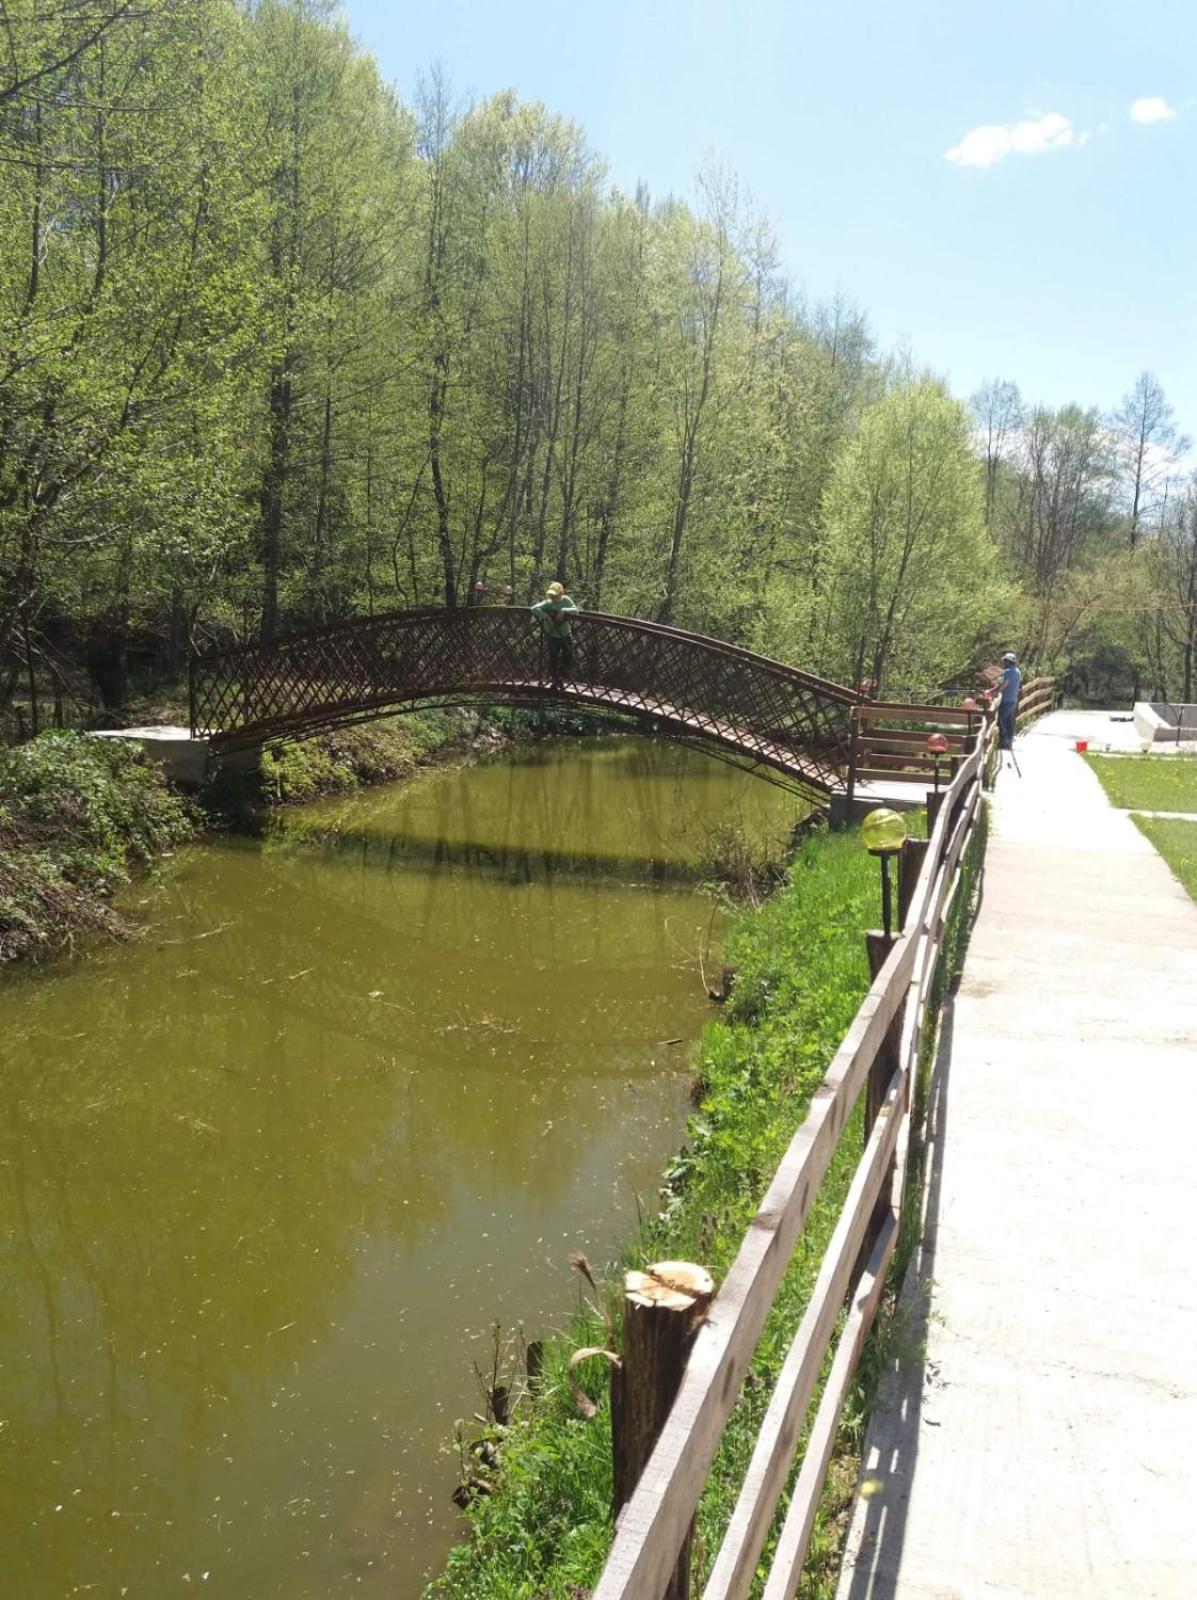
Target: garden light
884	834
937	745
970	705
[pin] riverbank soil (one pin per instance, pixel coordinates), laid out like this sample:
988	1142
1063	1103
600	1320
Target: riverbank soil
1033	1437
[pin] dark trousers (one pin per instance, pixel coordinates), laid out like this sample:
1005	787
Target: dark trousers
1006	727
561	659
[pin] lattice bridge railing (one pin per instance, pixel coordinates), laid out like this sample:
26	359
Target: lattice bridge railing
692	688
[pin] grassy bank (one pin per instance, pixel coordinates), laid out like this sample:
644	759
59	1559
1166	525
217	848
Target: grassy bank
77	815
1176	841
395	747
1148	783
801	975
373	752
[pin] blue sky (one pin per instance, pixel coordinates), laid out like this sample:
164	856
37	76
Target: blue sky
1057	247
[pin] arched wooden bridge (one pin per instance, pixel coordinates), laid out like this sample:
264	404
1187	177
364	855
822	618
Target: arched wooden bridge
774	719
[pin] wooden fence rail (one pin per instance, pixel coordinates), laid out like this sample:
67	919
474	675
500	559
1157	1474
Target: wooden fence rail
655	1522
1037	697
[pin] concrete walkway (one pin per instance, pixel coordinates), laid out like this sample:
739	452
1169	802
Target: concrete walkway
1038	1433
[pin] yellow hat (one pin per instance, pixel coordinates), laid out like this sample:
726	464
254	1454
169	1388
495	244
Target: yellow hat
555	589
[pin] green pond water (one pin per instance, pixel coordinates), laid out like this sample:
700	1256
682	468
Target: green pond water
271	1173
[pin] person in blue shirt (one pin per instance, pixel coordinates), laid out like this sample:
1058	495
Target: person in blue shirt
1008	690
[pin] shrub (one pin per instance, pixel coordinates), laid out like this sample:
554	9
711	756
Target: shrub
76	813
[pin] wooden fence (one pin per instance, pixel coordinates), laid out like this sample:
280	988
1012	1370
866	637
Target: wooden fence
889	738
880	1052
1037	698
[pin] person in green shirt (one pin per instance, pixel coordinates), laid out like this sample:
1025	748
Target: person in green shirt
554	613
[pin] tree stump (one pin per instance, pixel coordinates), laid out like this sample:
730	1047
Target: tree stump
663	1309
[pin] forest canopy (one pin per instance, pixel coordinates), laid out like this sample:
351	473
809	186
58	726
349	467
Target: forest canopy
277	347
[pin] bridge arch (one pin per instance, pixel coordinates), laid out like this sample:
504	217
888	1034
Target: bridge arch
775	719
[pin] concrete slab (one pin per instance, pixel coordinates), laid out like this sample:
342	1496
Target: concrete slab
1034	1437
185	758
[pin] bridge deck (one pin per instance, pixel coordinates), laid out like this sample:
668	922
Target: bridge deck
1035	1440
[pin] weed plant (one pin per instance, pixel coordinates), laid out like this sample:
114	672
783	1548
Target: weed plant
801	973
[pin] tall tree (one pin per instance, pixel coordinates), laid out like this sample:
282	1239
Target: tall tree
998	415
1149	447
910	582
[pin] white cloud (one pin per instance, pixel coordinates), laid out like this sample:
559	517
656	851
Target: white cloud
983	146
1151	108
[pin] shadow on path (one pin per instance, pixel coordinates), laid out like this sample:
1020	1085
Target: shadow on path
871	1569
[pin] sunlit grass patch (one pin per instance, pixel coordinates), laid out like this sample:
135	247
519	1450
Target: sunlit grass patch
1148	783
1177	843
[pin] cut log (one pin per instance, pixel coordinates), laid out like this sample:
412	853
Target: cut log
663	1309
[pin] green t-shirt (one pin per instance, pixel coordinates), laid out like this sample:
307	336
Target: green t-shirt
555	615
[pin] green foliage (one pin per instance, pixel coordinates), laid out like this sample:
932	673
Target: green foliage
305	351
76	813
1148	783
801	974
909	574
372	753
1177	842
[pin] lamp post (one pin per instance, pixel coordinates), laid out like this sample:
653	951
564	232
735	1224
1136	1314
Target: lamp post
970	705
937	745
883	833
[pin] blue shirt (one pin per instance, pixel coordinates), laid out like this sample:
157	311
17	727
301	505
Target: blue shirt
1011	684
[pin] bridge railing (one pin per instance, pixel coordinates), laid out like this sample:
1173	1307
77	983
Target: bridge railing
696	686
881	1050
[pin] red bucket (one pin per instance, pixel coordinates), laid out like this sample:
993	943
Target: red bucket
1081	746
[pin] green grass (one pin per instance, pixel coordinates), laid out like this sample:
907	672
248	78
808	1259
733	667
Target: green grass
76	814
1148	783
1177	843
801	974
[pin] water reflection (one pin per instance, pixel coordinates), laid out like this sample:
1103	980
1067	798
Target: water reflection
269	1175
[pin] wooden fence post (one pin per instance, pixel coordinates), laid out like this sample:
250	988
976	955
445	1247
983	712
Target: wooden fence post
663	1309
910	864
889	1054
934	801
853	763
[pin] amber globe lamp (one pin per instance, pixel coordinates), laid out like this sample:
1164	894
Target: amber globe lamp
883	833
